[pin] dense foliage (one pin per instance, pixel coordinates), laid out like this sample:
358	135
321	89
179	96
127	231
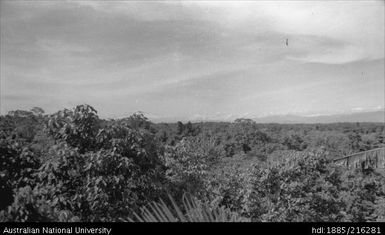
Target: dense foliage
74	166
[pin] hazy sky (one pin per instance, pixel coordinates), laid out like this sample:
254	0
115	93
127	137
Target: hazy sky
191	59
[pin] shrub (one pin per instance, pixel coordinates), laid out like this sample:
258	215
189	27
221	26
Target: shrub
305	188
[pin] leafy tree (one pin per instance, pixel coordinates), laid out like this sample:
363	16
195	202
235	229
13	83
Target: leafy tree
305	188
37	111
180	128
188	163
78	127
363	193
17	165
90	174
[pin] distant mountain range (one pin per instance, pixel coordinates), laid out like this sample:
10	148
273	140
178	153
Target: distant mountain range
368	116
374	116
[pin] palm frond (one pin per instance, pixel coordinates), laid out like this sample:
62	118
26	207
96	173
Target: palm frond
193	210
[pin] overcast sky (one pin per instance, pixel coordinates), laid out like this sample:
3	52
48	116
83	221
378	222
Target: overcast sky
193	59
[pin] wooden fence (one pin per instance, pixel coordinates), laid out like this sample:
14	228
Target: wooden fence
374	158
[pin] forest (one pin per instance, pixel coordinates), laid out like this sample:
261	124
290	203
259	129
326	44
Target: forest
73	166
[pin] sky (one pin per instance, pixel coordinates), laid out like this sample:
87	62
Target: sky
193	59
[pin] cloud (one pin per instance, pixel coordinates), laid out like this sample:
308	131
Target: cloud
360	25
192	57
316	49
361	36
56	47
143	11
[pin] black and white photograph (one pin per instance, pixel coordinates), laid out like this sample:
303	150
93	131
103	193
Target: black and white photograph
192	111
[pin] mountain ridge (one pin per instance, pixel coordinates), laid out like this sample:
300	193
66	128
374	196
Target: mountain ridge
366	116
372	116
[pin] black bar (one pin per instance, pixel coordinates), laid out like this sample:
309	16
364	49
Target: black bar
197	228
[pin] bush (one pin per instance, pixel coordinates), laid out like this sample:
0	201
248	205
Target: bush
90	174
300	189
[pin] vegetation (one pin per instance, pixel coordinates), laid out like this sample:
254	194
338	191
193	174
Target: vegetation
74	166
193	211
